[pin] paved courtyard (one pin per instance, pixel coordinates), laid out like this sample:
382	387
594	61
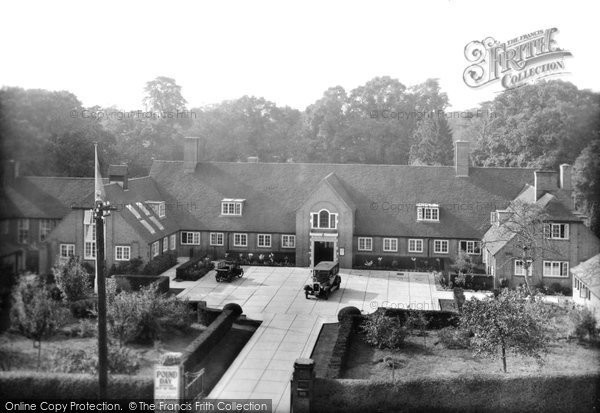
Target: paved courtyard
291	323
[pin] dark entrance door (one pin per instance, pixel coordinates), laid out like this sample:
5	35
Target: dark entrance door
323	251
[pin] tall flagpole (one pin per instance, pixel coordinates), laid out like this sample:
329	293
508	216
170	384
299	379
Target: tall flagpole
100	210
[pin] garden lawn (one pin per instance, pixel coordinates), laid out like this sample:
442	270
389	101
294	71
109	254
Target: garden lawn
17	352
418	360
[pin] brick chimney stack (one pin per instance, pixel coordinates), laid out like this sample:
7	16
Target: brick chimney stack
461	158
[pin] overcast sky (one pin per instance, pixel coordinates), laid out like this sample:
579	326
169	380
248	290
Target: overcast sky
288	52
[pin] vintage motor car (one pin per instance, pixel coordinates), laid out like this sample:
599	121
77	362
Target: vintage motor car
325	280
227	271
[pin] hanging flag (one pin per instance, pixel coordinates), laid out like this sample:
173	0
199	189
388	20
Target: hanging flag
98	186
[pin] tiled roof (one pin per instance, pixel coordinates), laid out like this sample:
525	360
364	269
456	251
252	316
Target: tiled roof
43	197
497	237
384	195
589	272
132	205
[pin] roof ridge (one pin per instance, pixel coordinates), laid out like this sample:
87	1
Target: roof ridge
347	164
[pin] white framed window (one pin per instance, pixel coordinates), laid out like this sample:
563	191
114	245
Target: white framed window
217	239
23	231
165	243
173	241
415	245
158	207
263	240
240	240
556	269
288	241
493	217
428	212
190	238
440	246
365	243
520	268
122	253
89	236
324	220
155	249
390	244
556	231
46	226
470	247
67	251
232	207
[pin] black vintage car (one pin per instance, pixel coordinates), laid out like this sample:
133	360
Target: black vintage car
227	271
325	279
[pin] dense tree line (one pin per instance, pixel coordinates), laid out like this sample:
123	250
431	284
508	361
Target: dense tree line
380	122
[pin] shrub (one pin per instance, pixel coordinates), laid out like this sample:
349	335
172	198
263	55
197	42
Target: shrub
584	322
384	332
347	312
121	360
160	264
454	338
34	313
142	316
133	266
87	307
73	280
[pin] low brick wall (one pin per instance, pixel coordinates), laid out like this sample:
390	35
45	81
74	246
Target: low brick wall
63	386
339	355
198	348
460	393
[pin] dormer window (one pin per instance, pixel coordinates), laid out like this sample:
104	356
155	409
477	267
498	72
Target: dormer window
428	212
324	220
232	206
158	207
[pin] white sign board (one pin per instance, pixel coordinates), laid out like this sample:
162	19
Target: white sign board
167	382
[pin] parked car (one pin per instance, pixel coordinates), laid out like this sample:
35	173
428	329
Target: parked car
325	280
227	271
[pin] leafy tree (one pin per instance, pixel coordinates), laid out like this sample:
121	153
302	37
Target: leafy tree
163	95
34	313
540	125
50	133
586	182
432	142
72	280
509	323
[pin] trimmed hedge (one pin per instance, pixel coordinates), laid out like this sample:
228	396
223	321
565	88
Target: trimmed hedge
193	269
437	319
63	386
476	282
160	264
470	393
131	282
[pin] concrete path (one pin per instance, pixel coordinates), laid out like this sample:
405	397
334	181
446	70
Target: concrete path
291	323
